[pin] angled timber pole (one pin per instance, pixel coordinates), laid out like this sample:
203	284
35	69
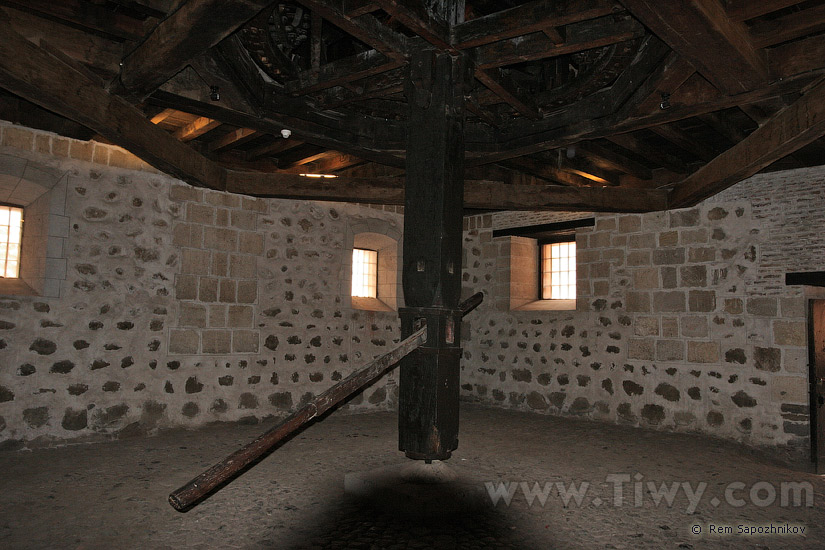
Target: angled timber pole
210	481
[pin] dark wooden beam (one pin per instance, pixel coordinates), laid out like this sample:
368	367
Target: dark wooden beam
233	139
272	122
354	8
477	194
527	18
702	33
101	54
565	130
277	146
332	162
196	128
678	138
791	26
150	8
191	30
341	71
417	17
724	126
654	154
580	36
546	170
32	73
506	89
365	28
793	127
85	15
611	159
495	195
666	79
569	161
742	10
797	57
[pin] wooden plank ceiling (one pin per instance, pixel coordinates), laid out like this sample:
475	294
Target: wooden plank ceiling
628	105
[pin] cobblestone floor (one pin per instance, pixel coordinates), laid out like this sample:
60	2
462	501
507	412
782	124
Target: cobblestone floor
113	494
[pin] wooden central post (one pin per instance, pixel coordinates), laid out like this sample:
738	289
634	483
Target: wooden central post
429	382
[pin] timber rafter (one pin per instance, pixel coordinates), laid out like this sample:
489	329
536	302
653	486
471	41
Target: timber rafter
575	95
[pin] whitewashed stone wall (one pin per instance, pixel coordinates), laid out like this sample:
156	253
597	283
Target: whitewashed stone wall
183	306
683	320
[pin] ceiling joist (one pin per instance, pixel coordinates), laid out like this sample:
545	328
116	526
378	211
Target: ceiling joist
790	129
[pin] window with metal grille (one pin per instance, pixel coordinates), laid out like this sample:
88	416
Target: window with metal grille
558	271
364	273
11	232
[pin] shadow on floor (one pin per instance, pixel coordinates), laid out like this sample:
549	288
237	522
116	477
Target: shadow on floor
358	523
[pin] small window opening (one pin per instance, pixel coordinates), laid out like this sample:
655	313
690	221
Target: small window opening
11	232
558	271
364	273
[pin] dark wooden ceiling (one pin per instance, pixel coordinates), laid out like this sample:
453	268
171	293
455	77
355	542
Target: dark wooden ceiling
632	105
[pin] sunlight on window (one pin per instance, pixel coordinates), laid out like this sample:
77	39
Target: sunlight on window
11	228
364	273
558	271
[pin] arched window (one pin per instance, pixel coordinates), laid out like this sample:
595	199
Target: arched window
370	276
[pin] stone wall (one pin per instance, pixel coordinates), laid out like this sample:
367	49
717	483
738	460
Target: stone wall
181	306
683	321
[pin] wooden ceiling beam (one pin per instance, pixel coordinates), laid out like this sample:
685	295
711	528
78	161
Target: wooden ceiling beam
506	89
32	73
640	147
797	57
611	159
790	129
665	79
742	10
424	22
477	194
788	27
163	115
191	30
531	17
724	126
232	139
151	8
196	128
83	14
101	54
702	33
678	138
325	162
545	170
355	8
580	165
341	72
365	28
525	139
579	36
278	145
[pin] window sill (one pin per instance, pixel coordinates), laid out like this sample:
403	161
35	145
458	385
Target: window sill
15	287
547	305
370	304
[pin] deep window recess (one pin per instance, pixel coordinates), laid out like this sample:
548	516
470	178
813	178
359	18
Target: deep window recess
558	271
11	233
364	273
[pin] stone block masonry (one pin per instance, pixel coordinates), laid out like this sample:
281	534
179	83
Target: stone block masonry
182	306
179	306
683	321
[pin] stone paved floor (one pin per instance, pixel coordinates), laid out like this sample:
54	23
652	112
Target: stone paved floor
113	494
